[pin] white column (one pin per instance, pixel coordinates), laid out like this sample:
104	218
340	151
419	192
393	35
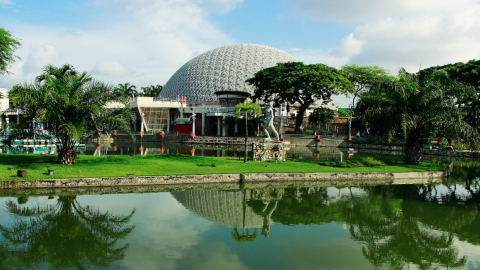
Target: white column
236	128
219	126
203	123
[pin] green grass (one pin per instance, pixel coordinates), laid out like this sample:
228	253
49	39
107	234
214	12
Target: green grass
118	166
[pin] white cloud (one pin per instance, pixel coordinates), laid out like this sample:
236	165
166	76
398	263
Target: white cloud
109	68
5	2
40	57
151	40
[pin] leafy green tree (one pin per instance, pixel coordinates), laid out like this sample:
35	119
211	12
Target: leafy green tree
363	77
8	45
248	108
321	115
151	91
419	108
126	90
72	106
65	235
295	82
466	73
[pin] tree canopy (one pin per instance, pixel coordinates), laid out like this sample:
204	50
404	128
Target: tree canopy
72	106
8	45
295	82
419	107
363	77
468	74
321	115
151	91
125	90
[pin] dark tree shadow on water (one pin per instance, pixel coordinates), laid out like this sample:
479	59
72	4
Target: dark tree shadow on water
65	235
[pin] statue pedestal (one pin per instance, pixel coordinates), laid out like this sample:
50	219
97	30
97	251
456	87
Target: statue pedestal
269	150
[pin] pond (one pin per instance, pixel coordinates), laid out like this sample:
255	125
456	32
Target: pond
297	225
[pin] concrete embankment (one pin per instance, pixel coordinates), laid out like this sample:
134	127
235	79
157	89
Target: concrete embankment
393	178
52	191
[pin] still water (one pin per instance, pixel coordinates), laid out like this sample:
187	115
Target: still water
294	225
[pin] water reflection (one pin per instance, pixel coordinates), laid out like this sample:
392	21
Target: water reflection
398	226
64	235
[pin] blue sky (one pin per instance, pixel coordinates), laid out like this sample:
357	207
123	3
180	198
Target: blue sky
145	41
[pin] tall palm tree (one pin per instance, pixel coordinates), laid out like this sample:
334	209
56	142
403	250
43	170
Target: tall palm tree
72	106
419	108
248	108
65	235
126	90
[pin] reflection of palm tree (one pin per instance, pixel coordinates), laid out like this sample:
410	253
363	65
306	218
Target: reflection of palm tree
64	235
245	236
394	238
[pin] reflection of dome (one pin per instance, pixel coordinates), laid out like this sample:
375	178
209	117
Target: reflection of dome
222	207
222	69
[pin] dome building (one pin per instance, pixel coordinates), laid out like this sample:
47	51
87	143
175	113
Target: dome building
222	70
205	89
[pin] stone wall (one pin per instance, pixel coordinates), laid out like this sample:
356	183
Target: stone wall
395	178
264	151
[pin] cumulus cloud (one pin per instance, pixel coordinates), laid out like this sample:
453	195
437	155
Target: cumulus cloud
144	41
5	2
394	34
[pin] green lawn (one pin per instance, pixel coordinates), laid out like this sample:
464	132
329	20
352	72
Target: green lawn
105	166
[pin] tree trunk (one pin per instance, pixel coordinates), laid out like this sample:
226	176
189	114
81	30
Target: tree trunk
67	156
246	138
414	146
299	117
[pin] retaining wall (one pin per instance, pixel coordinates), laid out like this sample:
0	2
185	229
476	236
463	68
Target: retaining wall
216	178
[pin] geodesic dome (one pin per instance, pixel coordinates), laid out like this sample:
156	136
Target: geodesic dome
222	69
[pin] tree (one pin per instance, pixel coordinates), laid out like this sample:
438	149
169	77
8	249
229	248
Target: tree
419	108
248	108
468	74
65	235
296	82
321	115
126	90
363	77
151	91
72	106
8	45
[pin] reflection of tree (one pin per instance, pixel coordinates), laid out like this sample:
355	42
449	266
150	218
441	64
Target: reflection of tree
300	206
395	238
63	235
245	236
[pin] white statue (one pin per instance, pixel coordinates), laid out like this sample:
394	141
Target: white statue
269	120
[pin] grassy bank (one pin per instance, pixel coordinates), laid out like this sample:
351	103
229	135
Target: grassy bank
117	166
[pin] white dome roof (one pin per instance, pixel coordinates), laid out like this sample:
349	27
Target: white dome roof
222	69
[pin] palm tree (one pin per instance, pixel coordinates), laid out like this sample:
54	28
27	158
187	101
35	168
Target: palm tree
72	106
248	108
65	235
126	90
419	108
